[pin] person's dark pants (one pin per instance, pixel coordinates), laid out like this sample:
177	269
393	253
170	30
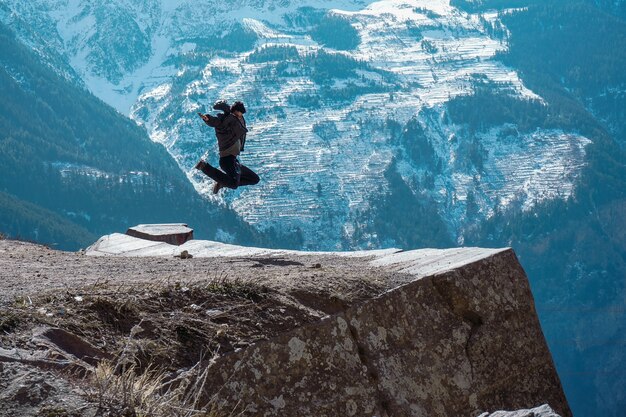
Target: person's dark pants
234	175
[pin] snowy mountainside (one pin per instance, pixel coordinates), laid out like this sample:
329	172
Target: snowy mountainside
328	116
499	168
39	33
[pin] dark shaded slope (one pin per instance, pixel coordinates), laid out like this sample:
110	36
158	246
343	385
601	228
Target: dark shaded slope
23	220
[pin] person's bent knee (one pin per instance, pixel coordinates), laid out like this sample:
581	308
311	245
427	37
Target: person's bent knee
232	186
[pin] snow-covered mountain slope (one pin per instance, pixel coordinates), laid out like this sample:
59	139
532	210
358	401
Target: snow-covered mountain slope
335	91
38	32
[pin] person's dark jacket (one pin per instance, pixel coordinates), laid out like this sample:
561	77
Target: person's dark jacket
228	129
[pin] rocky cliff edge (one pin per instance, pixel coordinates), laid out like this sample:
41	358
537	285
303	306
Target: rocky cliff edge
280	333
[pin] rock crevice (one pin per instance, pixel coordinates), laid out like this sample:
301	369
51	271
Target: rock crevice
460	307
371	371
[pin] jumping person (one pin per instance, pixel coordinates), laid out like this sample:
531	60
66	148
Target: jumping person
230	129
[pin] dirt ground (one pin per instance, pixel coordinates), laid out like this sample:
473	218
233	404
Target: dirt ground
29	270
163	313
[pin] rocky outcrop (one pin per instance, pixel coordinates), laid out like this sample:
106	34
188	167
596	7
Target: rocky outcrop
383	333
457	342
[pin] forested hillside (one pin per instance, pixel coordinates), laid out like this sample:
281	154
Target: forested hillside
572	54
26	221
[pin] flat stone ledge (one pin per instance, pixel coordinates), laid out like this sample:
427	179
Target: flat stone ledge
123	245
174	234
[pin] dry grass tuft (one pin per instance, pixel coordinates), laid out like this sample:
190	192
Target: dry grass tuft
122	388
8	322
126	391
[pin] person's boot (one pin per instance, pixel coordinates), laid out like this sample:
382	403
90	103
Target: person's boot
201	164
217	187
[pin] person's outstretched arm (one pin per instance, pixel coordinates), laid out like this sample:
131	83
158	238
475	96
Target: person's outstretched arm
210	120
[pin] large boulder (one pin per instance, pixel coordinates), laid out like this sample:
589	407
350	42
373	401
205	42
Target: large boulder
460	338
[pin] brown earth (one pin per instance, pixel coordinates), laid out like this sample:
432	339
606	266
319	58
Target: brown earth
164	313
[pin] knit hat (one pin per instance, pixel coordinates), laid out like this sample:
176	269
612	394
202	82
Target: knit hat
238	106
